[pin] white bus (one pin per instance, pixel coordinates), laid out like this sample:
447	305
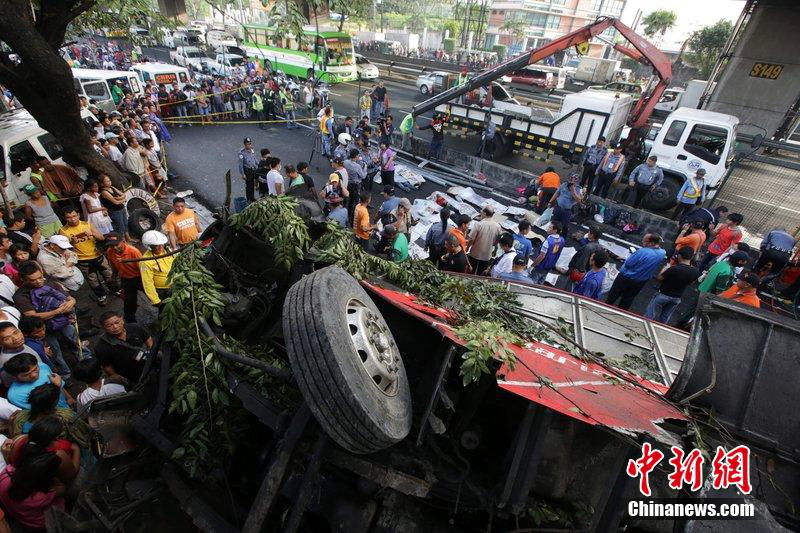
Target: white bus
161	73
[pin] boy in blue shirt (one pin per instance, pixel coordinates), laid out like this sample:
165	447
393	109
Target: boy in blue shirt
591	285
519	270
548	253
28	374
522	244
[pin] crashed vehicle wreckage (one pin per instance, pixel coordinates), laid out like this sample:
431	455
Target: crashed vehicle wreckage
334	391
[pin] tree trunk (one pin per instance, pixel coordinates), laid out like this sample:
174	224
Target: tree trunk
43	82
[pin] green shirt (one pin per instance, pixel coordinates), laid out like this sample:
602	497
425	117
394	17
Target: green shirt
117	94
407	126
718	278
400	248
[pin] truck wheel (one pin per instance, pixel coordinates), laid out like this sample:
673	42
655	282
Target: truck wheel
141	220
346	363
424	89
663	197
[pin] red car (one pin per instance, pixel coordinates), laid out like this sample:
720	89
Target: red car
534	77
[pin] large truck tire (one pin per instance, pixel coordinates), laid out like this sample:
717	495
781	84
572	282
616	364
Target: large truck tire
345	361
141	220
664	196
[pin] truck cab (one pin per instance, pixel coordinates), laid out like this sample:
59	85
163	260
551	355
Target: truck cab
691	139
226	64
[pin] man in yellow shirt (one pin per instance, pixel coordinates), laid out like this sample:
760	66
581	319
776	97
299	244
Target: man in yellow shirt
182	225
155	272
92	263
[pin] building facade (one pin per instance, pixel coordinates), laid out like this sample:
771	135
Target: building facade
525	24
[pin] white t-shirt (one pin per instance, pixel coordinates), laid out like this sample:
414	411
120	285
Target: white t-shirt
106	389
114	154
7	409
273	178
504	264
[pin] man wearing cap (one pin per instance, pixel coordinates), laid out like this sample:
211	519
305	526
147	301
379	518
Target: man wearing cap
744	291
59	261
565	198
155	272
129	274
333	189
717	280
519	270
776	249
389	204
338	211
692	192
113	152
645	178
248	163
398	251
117	94
482	239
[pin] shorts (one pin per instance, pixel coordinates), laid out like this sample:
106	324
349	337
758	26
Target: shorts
203	110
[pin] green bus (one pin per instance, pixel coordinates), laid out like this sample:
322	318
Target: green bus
328	55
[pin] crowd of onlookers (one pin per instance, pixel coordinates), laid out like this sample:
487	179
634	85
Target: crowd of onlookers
66	255
472	60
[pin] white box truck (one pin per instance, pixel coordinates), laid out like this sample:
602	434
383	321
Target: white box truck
595	70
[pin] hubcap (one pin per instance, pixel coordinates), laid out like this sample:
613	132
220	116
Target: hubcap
374	346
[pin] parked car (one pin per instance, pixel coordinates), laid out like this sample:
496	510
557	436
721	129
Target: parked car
430	83
366	70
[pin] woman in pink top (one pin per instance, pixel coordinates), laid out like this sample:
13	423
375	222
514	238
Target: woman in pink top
31	488
387	164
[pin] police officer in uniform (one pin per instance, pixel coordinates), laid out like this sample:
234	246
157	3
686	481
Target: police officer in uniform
248	162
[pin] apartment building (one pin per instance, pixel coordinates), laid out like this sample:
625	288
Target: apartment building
525	24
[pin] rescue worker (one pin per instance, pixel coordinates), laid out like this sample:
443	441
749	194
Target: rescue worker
288	108
342	150
155	272
257	104
693	192
247	168
326	131
270	98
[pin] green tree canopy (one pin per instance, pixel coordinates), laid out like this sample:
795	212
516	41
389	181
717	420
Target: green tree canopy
659	21
706	44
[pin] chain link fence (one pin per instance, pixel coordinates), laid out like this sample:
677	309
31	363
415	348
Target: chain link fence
765	188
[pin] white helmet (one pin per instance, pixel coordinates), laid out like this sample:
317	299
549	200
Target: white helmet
344	138
154	238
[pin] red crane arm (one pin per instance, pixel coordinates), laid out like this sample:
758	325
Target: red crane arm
642	51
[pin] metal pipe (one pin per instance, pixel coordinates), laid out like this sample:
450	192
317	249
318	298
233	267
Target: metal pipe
219	349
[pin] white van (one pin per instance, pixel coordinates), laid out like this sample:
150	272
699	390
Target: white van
161	73
23	140
95	84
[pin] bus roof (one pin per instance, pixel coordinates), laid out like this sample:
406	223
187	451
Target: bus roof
308	30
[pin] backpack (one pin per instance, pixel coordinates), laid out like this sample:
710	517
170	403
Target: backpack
46	299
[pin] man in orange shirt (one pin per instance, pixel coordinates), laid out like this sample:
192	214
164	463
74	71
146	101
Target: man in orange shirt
744	291
692	235
129	276
548	183
361	226
182	225
460	231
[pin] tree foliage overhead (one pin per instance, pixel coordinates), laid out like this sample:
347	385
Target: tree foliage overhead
706	44
658	22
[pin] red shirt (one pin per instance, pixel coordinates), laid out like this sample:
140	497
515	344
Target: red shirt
726	238
125	270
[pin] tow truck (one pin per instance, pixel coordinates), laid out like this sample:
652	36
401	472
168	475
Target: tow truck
690	139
